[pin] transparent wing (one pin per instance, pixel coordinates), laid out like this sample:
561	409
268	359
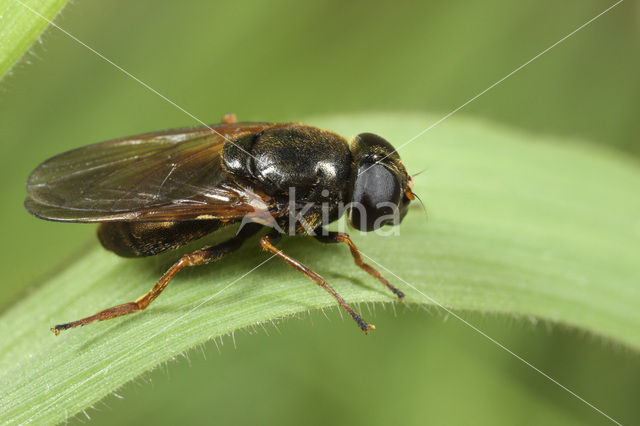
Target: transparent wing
169	175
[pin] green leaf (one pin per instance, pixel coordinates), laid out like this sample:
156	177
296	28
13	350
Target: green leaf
531	226
20	26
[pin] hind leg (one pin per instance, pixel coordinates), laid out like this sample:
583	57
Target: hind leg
199	257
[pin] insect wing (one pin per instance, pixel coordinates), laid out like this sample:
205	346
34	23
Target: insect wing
168	175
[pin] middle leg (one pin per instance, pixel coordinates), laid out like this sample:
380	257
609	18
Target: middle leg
341	237
268	242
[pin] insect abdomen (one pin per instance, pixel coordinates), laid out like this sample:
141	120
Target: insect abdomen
139	239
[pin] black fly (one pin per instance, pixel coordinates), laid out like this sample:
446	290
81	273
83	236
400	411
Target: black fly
158	191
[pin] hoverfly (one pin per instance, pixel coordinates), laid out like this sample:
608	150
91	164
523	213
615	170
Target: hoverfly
158	191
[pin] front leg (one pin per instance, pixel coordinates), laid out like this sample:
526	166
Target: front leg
268	243
340	237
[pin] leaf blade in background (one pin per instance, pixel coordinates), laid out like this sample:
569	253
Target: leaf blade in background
532	226
20	27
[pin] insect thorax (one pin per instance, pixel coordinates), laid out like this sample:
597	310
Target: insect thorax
295	162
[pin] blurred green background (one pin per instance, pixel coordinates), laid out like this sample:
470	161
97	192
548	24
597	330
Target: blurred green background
280	61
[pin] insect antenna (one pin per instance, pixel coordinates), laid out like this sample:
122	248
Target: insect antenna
416	195
426	215
419	173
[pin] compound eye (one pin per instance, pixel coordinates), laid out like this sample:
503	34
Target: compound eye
366	141
376	194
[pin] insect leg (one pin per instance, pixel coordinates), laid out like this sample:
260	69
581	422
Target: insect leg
268	243
200	257
341	237
229	118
